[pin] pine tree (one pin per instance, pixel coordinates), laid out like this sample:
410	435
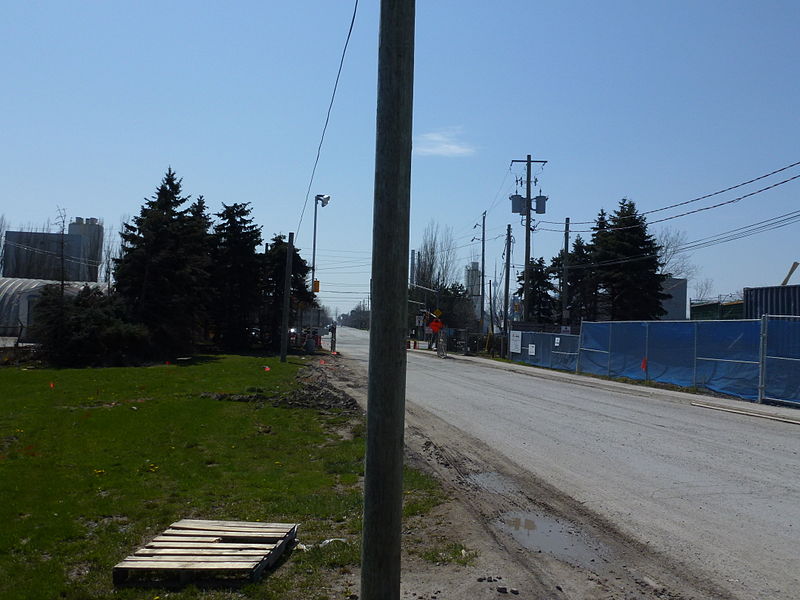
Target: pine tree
161	274
236	275
626	255
541	303
582	283
274	269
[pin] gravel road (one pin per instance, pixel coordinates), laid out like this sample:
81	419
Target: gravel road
715	493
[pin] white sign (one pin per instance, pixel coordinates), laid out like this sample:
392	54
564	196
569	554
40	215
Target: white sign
420	320
516	342
557	342
566	329
531	349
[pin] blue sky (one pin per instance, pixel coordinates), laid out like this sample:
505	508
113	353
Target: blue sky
659	102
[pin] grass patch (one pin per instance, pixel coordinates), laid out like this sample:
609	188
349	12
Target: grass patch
449	552
93	462
421	493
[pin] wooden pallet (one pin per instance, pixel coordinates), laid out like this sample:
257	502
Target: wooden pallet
193	548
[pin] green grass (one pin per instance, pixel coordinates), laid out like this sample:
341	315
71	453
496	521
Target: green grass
449	552
422	493
93	462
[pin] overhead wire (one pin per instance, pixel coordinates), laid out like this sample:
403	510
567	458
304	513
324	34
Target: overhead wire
708	241
328	115
699	198
690	212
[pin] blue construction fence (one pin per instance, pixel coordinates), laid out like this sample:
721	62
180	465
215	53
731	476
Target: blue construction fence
755	359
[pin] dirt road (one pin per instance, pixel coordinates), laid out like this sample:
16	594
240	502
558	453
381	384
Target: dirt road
586	489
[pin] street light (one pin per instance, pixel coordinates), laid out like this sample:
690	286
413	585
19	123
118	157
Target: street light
318	199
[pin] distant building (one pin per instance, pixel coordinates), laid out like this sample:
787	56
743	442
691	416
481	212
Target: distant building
722	308
676	304
17	300
472	281
772	300
38	255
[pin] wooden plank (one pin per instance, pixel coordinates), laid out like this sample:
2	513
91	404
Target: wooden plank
158	565
191	558
237	533
203	524
198	552
171	538
230	546
256	530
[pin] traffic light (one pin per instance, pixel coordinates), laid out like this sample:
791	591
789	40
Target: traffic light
315	286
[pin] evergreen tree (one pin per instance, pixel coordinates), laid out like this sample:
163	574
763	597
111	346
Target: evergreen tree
85	330
541	303
582	283
274	269
627	271
161	274
236	277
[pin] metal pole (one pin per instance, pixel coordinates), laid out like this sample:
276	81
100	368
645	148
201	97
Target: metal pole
525	274
314	248
483	268
762	366
383	472
287	290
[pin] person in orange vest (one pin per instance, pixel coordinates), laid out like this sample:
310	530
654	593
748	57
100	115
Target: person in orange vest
436	326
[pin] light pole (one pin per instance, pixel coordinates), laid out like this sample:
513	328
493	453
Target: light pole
318	199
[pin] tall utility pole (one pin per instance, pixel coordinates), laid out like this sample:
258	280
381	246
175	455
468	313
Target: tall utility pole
508	277
383	470
564	280
525	274
318	199
287	291
483	267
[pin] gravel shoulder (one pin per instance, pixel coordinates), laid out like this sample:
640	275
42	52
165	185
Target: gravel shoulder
529	537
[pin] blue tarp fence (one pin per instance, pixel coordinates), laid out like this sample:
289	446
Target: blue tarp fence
552	350
781	359
756	359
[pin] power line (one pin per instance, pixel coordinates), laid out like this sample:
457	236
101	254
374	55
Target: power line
717	193
713	240
328	115
690	212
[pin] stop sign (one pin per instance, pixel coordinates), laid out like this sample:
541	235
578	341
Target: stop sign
436	325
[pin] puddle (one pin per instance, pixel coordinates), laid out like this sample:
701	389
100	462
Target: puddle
493	482
539	532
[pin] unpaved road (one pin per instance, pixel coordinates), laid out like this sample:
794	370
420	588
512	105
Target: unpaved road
612	491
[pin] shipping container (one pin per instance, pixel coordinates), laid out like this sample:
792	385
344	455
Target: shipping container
774	300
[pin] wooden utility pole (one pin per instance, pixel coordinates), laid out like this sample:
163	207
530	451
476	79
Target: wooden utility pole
287	292
564	281
483	267
508	277
525	274
383	471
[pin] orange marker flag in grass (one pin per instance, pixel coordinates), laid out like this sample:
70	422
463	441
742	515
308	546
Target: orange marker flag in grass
52	385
